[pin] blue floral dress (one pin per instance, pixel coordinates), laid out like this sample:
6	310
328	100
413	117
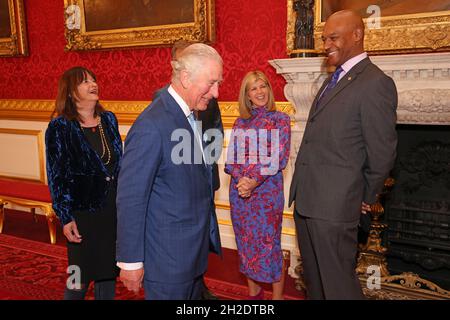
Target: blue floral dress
253	153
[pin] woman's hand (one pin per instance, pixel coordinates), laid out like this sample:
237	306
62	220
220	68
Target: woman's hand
70	230
246	186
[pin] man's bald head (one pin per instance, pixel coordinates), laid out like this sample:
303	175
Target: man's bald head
349	18
343	37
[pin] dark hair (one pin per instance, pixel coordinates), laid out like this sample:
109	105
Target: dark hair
65	104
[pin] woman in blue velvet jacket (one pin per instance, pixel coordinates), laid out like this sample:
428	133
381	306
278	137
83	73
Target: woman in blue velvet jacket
84	149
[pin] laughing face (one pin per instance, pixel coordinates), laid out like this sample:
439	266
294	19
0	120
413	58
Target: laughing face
87	90
258	93
340	41
204	85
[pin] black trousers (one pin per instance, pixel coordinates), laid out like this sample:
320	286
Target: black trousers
328	251
103	290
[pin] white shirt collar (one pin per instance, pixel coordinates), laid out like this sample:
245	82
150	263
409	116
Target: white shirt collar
183	105
349	64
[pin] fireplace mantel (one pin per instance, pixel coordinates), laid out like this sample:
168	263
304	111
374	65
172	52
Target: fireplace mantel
422	80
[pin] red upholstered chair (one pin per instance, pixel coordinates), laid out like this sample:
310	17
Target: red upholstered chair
29	195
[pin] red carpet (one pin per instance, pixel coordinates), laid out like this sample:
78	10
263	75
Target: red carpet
36	270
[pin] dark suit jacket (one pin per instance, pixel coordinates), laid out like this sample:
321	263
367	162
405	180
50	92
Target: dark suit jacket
212	119
77	177
165	210
348	148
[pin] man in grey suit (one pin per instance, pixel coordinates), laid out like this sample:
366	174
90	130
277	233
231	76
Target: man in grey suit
348	149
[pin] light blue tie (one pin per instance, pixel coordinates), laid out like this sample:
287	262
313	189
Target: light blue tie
191	119
193	123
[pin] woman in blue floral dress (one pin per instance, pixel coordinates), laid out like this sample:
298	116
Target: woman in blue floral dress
257	154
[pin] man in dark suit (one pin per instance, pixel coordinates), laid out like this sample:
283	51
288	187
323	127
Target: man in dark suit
166	221
211	122
347	151
211	119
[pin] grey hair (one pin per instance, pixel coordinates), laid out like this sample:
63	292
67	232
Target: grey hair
192	58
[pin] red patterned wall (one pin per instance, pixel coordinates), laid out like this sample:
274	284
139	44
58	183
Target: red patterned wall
248	34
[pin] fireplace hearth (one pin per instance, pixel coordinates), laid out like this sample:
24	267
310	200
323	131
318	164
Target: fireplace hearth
417	209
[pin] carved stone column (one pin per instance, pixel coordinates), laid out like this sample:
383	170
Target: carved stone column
304	77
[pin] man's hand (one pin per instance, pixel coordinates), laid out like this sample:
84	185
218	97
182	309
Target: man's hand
246	186
70	230
365	208
132	279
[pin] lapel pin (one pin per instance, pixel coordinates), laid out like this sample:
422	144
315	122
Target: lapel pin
349	78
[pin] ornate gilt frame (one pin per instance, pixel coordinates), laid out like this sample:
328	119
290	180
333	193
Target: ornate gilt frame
202	29
16	43
422	32
126	111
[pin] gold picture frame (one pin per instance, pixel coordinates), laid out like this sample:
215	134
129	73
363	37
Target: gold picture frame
104	24
419	31
13	35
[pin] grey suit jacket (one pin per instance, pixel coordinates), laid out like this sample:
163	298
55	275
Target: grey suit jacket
349	146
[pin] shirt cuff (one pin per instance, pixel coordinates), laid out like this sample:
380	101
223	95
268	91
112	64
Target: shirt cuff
130	266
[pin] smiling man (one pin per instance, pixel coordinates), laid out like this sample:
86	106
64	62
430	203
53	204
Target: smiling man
166	222
348	149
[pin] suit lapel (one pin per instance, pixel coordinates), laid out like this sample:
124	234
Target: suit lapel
182	122
341	85
316	99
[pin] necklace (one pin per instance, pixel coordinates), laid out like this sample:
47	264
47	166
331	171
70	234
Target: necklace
105	147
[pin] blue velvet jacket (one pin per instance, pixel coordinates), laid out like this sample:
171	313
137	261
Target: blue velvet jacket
77	177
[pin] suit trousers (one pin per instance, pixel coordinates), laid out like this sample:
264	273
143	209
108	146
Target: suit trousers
190	290
328	251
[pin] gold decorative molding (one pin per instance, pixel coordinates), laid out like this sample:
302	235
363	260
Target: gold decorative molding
290	32
405	286
422	32
201	29
126	111
40	149
16	44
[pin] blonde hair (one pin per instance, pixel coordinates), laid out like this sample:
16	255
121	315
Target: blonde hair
245	105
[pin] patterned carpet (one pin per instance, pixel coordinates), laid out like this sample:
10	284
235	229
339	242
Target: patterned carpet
31	270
